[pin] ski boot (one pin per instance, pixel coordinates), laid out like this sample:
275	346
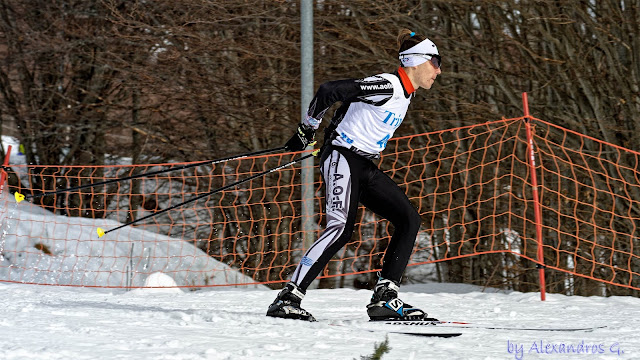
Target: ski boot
385	304
287	304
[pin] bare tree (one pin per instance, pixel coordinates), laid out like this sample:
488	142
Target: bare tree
167	81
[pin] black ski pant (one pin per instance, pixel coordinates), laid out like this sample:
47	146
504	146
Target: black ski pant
350	179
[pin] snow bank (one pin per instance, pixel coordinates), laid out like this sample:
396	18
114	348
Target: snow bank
39	247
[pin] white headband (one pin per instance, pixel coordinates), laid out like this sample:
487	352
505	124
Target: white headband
410	57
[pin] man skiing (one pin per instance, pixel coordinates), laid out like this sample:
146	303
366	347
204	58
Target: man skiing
372	109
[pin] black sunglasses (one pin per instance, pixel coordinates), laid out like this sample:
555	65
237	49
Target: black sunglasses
436	60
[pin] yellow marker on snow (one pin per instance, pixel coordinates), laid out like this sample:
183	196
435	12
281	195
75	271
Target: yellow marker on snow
19	197
100	232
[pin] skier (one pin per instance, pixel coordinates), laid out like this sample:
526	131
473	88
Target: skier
372	109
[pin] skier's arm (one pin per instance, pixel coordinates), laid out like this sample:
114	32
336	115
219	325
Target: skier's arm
328	94
375	90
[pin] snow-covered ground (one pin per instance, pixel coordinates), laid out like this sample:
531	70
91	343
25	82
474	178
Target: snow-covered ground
44	322
77	256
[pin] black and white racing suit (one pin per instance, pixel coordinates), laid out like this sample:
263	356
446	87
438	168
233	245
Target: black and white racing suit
372	109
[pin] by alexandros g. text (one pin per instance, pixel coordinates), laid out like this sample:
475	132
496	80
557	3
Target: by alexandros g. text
545	347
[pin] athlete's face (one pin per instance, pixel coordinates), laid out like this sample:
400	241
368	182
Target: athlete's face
426	74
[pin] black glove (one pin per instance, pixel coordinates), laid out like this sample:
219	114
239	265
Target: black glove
303	136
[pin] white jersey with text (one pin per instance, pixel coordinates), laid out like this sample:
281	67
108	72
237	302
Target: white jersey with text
368	127
372	109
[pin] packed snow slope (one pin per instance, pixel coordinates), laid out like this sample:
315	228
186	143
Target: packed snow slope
45	322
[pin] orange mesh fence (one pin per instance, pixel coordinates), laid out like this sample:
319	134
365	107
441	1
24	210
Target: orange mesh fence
239	236
590	199
471	185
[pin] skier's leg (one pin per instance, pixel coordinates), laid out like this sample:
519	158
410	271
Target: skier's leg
340	173
341	201
384	197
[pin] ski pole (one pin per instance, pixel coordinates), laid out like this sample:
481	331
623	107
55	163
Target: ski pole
102	232
19	197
